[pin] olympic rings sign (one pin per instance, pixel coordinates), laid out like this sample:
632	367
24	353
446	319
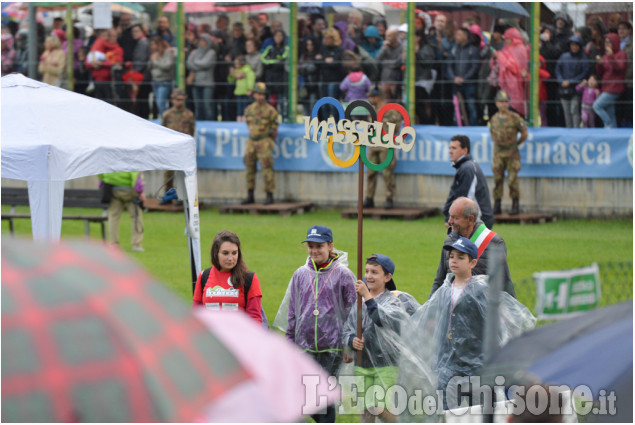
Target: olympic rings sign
359	133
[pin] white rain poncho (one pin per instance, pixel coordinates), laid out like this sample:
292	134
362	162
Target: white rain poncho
383	319
408	302
444	339
316	305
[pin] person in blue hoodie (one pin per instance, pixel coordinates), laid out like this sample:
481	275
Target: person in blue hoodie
571	69
372	41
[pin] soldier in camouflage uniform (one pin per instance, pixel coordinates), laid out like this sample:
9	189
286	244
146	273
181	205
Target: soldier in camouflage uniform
504	128
377	156
177	118
262	120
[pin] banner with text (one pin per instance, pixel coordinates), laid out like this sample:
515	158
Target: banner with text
561	294
548	152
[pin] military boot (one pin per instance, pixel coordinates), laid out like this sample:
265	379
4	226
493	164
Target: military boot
497	207
369	203
269	199
515	208
250	198
389	204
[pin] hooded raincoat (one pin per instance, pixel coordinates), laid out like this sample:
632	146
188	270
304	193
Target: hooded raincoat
372	49
444	337
613	68
202	62
316	305
382	320
512	60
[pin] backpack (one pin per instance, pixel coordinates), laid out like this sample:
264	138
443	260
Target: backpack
249	277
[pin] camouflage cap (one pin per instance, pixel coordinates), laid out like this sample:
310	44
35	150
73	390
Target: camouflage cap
178	93
260	88
392	116
502	96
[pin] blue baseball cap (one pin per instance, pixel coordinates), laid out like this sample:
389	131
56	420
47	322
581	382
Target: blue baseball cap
464	245
319	234
388	265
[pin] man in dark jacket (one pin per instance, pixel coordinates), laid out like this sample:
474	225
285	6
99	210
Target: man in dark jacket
469	181
572	67
462	70
563	32
464	222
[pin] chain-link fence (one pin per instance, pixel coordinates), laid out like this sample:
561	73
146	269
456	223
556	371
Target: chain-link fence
616	280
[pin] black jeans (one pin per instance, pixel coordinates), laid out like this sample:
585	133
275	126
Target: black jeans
330	361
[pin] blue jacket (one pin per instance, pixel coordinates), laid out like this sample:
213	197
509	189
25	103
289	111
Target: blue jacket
574	68
372	49
465	62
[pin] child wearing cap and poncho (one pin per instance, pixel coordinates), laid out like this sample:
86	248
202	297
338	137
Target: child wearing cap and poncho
383	316
317	302
444	340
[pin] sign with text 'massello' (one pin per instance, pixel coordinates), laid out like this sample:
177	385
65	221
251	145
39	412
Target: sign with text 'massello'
564	293
359	133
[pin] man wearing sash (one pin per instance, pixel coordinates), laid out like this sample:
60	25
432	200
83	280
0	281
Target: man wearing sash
463	222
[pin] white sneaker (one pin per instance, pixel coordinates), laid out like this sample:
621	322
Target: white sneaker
137	249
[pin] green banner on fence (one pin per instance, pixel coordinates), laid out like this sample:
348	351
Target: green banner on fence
564	293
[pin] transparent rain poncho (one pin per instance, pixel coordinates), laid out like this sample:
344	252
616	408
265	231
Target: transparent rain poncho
316	305
383	320
444	339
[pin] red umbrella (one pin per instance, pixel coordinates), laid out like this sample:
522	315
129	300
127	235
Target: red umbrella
88	336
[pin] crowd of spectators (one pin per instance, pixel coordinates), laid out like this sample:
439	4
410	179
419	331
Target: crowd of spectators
584	71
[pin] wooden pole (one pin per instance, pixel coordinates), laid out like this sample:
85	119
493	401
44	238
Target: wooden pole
360	227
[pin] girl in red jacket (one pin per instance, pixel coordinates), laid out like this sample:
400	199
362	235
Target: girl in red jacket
612	69
103	55
224	288
543	74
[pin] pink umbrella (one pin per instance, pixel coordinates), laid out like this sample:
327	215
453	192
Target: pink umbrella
276	393
210	7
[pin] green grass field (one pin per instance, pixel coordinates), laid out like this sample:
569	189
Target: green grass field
272	247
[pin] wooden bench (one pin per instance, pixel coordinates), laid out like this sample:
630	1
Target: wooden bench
81	198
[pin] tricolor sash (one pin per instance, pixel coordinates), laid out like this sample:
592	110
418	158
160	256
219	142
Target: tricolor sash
482	237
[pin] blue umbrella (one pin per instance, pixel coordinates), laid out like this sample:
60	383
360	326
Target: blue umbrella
593	349
340	7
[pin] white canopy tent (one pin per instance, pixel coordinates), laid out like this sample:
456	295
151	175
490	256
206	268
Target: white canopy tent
50	135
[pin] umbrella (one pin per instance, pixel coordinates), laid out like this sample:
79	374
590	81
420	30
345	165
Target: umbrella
498	9
210	7
374	8
118	8
593	349
277	366
88	336
13	10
